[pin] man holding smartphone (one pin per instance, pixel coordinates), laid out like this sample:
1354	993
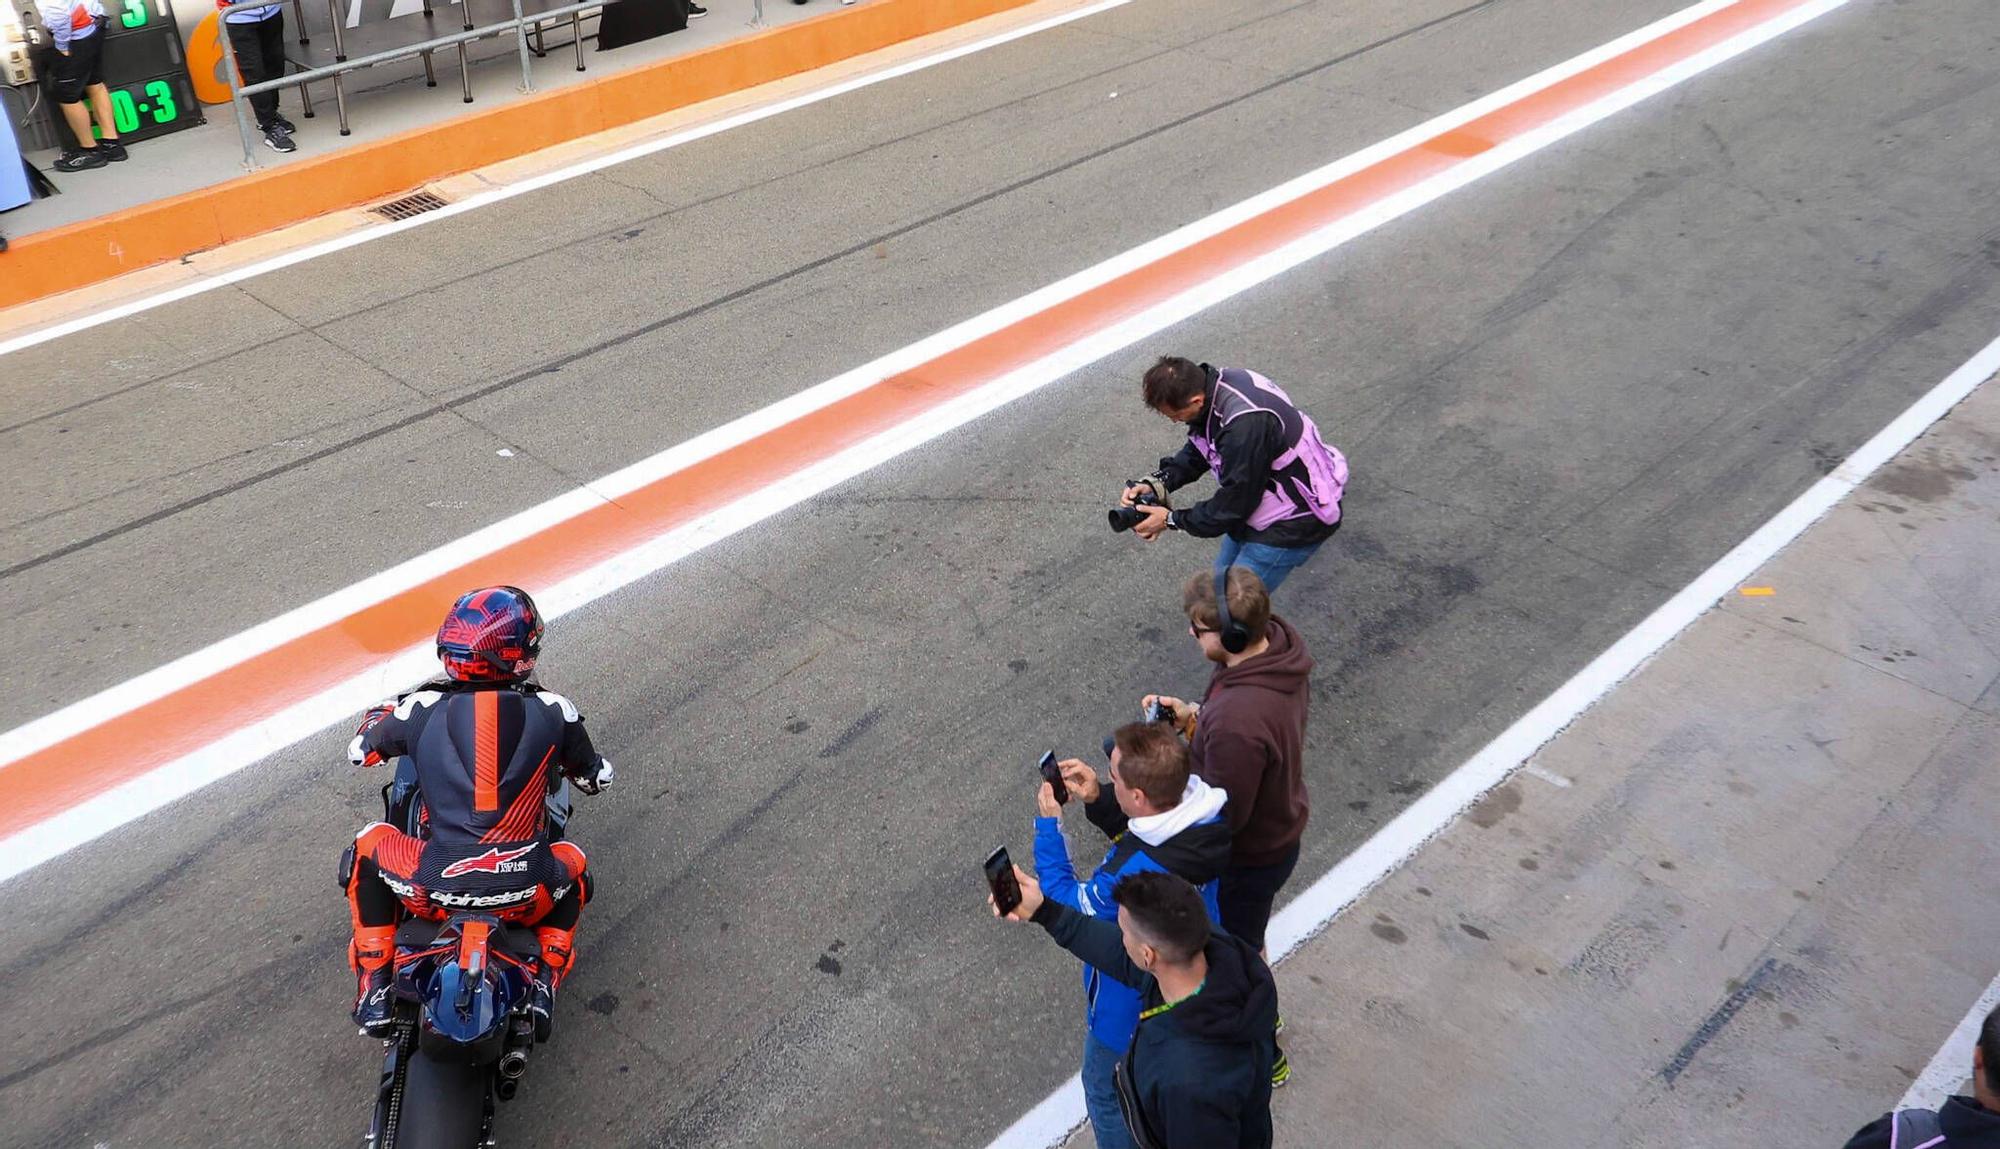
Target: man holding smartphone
1160	818
1198	1073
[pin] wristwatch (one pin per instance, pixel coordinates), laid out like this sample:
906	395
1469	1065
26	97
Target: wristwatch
1171	524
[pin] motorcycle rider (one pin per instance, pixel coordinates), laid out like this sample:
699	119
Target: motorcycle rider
482	740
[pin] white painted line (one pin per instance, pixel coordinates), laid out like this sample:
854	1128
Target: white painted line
1056	1116
546	179
1952	1065
1392	845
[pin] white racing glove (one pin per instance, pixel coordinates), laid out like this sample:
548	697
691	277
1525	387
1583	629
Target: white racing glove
598	780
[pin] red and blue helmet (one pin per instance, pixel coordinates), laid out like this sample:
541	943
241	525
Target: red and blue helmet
491	635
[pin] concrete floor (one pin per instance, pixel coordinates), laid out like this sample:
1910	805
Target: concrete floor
1565	390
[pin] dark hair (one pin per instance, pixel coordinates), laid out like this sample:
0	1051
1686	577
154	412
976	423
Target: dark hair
1153	760
1249	602
1168	913
1989	1043
1173	383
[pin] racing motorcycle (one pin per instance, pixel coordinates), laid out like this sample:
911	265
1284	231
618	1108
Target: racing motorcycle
462	1034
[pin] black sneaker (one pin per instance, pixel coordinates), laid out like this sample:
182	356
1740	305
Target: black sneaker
112	151
80	160
289	126
375	1001
278	139
696	11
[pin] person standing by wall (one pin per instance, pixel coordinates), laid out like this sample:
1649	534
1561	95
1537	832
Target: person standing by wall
257	36
77	29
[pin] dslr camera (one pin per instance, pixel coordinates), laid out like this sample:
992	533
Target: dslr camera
1125	518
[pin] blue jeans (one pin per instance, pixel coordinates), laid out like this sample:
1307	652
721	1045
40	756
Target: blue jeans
1100	1096
1272	564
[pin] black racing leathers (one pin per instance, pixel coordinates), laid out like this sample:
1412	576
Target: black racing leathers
485	756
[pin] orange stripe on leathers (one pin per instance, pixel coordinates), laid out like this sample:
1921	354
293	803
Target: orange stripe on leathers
486	751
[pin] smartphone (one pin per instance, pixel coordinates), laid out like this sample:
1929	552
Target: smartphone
1052	774
1000	878
1157	711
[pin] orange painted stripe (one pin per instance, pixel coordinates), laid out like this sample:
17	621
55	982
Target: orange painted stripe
54	779
95	250
485	751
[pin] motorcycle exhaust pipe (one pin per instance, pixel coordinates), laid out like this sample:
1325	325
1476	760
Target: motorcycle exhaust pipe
513	1064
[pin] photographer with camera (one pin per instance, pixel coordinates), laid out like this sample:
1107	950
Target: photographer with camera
1278	484
1198	1073
1160	818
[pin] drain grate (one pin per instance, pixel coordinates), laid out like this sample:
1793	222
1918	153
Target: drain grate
409	205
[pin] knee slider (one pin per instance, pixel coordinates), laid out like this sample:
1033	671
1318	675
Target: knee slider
346	878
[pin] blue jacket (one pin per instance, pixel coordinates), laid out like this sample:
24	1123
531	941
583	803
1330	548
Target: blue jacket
1190	841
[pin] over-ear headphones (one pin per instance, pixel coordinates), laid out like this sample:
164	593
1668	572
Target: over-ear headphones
1234	636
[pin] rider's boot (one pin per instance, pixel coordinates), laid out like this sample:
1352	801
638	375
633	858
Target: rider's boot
373	957
558	950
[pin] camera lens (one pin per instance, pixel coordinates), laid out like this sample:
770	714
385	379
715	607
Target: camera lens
1125	518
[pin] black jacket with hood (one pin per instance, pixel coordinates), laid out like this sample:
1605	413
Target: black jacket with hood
1966	1124
1201	1070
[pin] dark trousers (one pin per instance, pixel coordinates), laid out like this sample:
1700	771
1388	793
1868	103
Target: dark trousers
1246	894
260	56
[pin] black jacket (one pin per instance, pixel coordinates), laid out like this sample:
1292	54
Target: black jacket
1201	1070
1247	446
1966	1124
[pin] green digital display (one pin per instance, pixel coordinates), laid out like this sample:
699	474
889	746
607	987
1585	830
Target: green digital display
138	13
154	102
145	67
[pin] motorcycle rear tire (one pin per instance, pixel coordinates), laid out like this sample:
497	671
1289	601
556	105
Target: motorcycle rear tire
444	1106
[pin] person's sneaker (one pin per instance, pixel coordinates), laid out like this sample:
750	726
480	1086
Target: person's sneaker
111	150
1280	1030
278	139
290	127
375	1000
696	11
1281	1071
80	159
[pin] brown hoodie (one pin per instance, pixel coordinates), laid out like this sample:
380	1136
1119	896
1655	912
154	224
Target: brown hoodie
1250	740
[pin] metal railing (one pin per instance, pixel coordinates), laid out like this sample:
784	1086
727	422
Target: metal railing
519	24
